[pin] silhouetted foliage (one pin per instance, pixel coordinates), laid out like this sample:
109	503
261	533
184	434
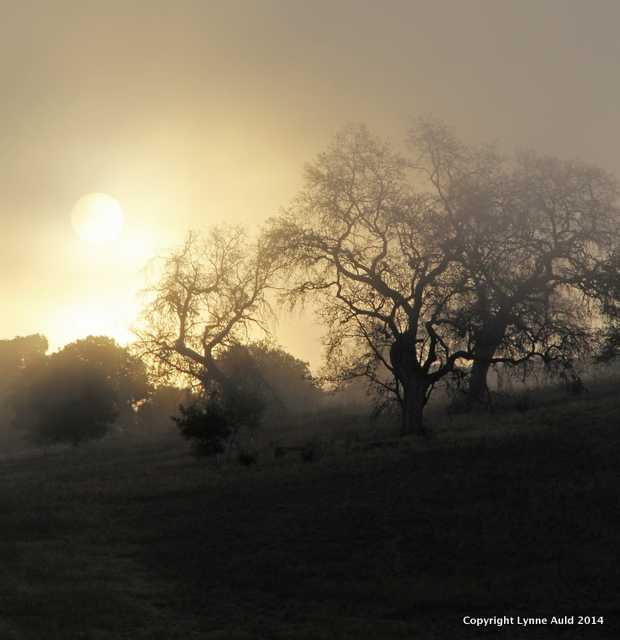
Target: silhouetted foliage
213	423
284	383
382	261
456	256
610	348
606	283
210	296
207	426
535	232
77	394
156	412
18	353
125	372
15	356
63	400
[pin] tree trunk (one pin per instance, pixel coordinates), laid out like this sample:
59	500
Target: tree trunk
478	391
487	344
414	400
414	384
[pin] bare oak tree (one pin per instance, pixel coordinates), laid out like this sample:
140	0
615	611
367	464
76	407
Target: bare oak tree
382	262
533	233
487	260
211	294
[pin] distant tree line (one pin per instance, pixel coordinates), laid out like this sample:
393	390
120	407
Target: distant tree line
94	386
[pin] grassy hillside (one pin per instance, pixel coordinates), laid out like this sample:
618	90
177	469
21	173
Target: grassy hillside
510	514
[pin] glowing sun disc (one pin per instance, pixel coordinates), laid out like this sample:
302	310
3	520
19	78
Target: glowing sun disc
97	218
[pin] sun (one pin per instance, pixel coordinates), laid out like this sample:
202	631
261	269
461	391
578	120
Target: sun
97	218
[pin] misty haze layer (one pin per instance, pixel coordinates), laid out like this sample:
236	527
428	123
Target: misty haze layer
195	113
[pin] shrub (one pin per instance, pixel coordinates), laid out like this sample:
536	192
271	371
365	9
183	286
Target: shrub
213	424
207	425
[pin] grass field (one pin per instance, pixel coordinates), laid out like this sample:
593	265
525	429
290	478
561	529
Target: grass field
510	514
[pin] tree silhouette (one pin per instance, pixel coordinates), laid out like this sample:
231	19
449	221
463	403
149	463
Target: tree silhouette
284	382
210	297
456	255
383	262
76	394
533	232
125	373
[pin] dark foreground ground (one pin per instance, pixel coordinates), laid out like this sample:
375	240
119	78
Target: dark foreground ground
509	515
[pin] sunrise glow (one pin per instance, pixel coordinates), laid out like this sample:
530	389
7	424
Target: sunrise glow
97	218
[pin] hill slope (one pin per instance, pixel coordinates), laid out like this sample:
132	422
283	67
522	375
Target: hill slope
510	515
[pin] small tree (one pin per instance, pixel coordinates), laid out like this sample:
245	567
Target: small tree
264	380
213	423
207	426
211	297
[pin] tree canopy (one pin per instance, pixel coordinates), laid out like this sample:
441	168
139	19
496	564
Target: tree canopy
383	262
533	233
211	294
77	393
451	255
283	382
19	353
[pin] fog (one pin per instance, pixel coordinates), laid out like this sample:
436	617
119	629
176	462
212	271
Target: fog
194	113
310	318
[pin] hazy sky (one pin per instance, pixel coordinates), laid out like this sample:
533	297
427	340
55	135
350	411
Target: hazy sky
193	113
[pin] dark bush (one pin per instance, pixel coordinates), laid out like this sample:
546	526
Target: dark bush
212	424
207	425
